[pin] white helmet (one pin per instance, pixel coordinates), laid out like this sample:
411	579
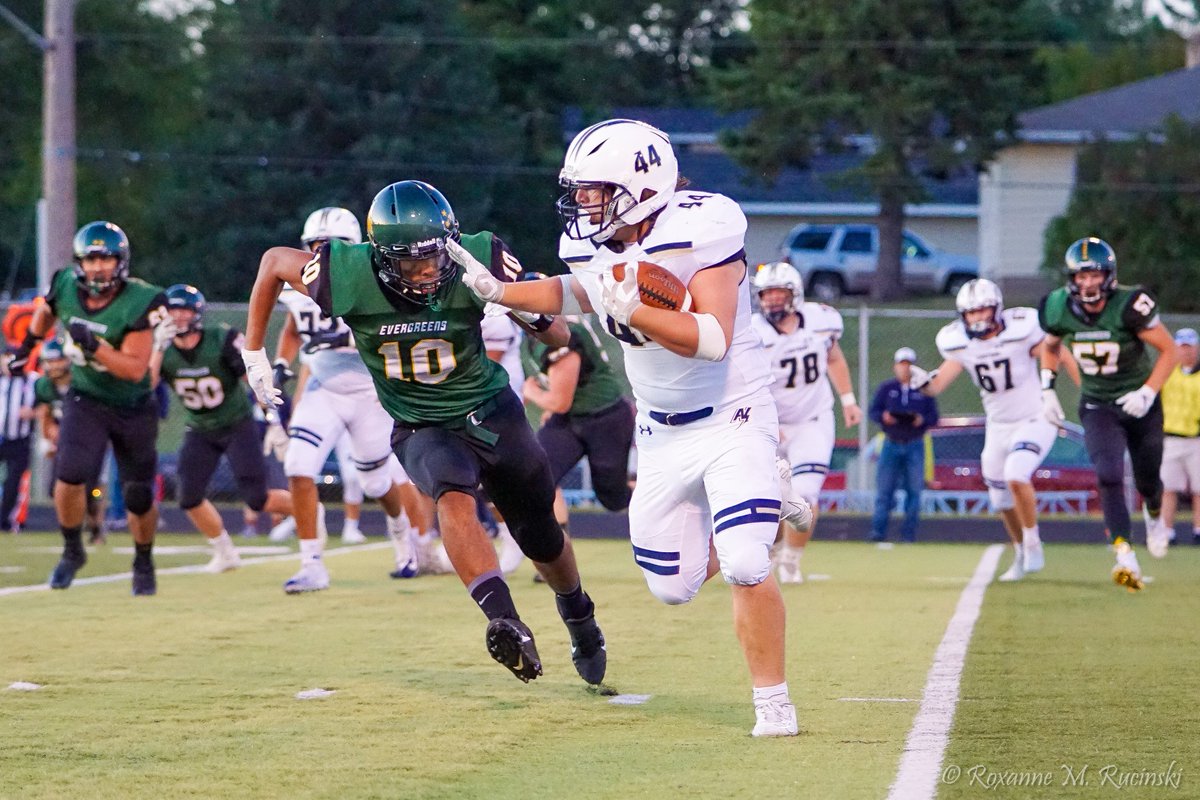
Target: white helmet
331	223
633	160
977	294
779	275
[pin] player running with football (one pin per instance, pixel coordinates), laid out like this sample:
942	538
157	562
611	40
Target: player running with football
802	347
708	496
457	422
109	319
998	349
203	366
1110	329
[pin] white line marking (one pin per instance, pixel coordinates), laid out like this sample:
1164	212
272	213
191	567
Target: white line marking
630	699
188	570
921	763
876	700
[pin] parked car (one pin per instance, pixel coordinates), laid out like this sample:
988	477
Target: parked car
841	259
958	442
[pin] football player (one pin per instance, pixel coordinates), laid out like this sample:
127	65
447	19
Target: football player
802	345
457	422
1110	329
708	496
998	348
203	366
109	318
338	398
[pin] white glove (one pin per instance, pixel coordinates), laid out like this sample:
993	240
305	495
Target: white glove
1137	403
920	378
164	332
259	375
620	298
476	276
275	441
1051	408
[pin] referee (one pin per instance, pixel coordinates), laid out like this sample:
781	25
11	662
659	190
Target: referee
16	428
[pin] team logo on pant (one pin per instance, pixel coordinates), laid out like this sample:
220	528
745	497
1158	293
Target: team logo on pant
741	416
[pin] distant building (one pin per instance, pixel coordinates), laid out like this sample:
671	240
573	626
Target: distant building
948	220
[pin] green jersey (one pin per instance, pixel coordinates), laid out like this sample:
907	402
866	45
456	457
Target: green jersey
136	306
208	379
45	393
1111	357
598	386
428	362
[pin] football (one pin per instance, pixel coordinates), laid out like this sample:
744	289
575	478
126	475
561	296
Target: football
658	286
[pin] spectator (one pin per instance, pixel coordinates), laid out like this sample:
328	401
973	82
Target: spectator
1181	424
905	415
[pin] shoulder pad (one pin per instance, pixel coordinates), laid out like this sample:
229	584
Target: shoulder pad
952	338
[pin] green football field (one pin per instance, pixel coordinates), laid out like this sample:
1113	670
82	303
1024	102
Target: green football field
192	693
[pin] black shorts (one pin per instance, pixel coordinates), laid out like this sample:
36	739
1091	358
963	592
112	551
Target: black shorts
202	450
87	428
605	437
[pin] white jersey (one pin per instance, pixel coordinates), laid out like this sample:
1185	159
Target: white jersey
695	230
338	369
501	333
800	361
1002	367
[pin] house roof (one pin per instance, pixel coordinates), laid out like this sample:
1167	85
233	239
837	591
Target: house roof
818	189
1122	112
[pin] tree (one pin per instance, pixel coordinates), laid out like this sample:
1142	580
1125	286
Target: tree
931	84
1143	198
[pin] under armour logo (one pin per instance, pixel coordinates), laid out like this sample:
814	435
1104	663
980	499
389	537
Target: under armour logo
741	415
645	430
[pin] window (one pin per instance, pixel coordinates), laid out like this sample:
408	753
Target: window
913	248
1068	451
812	239
856	242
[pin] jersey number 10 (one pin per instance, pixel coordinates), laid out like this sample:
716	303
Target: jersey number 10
429	361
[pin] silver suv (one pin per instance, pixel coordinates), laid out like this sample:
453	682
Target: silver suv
840	259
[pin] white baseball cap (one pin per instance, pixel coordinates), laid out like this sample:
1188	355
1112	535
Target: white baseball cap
1187	336
905	354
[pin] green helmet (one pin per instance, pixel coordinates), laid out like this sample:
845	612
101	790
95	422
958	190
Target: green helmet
101	238
1091	255
410	222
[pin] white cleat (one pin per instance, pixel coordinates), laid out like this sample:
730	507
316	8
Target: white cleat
775	717
1017	571
510	552
787	566
223	561
1127	573
283	531
1158	538
312	577
404	545
793	510
1035	557
437	560
353	536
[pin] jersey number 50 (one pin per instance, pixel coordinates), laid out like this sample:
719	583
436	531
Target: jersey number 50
429	361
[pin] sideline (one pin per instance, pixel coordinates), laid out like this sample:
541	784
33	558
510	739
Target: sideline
921	763
192	568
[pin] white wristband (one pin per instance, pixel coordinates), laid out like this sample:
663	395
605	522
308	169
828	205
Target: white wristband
710	338
848	399
571	305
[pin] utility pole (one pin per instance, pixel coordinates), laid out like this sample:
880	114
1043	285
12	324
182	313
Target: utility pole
58	140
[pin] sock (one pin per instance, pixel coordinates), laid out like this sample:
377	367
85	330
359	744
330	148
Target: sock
491	593
1030	536
349	526
72	538
574	605
222	543
779	691
141	552
310	552
791	554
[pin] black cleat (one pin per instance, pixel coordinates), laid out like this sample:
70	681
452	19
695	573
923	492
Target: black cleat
64	572
587	649
510	642
144	582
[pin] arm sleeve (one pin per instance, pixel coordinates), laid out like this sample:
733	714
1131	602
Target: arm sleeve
144	320
231	352
320	289
504	263
1141	310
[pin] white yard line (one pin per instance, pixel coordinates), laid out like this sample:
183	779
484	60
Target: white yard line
193	568
921	764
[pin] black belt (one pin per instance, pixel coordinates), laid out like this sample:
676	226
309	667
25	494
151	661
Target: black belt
680	417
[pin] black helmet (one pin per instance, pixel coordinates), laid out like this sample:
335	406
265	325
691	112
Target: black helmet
101	238
1091	254
181	295
411	221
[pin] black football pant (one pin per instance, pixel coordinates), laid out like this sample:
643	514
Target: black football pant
1108	432
605	438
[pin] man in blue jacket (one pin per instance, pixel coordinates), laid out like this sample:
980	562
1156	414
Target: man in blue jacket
904	414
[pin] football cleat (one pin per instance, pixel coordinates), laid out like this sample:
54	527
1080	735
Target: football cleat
432	556
787	565
510	642
283	531
312	577
353	536
1158	538
793	510
223	561
144	581
1127	573
1034	557
405	549
588	652
775	717
1017	571
510	552
64	572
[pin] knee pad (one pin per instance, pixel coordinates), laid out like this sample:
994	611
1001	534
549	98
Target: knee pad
541	540
807	480
670	589
999	495
747	565
139	497
375	477
1022	461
